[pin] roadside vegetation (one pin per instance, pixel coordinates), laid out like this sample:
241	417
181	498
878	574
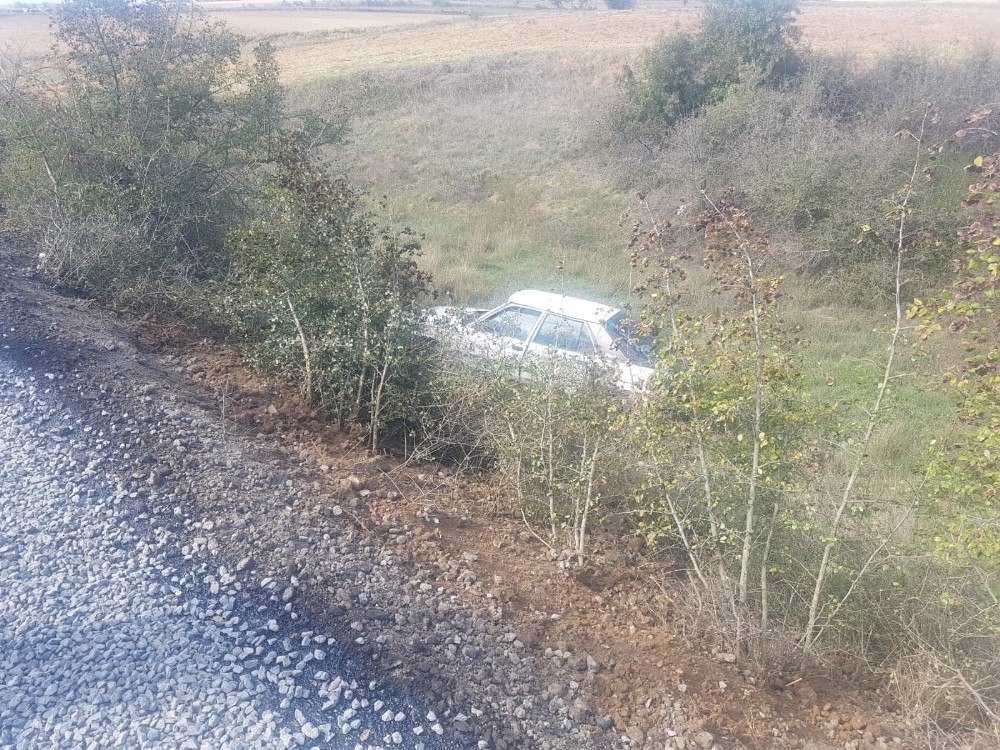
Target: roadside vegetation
817	459
151	162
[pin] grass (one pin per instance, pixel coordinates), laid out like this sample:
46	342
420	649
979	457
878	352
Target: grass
494	161
843	357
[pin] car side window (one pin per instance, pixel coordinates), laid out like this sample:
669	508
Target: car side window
514	322
566	334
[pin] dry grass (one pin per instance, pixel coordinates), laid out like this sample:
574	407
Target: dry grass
318	43
581	34
866	28
261	23
24	34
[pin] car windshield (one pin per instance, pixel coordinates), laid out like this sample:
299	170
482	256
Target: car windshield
637	349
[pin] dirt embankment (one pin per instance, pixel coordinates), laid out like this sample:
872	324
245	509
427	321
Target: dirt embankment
482	616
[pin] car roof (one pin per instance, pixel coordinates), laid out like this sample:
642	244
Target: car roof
572	307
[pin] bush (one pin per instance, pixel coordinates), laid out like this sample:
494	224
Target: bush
160	170
620	4
672	84
738	41
548	433
758	34
319	294
814	160
133	168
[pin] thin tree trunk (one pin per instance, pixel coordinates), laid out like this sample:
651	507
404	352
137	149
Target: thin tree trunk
713	526
758	418
582	545
758	400
765	561
307	381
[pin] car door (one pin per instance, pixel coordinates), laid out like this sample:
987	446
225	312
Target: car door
561	342
506	332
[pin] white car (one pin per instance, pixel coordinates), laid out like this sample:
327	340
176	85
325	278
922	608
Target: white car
533	324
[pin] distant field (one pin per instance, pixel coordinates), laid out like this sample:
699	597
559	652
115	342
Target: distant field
25	34
868	28
316	43
259	23
29	32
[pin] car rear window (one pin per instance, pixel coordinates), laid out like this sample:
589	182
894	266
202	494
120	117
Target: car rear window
515	322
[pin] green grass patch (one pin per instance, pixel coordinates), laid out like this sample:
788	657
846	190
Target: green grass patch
494	163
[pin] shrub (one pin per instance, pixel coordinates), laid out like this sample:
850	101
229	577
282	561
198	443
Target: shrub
671	85
133	167
759	34
815	159
320	294
548	433
738	41
955	641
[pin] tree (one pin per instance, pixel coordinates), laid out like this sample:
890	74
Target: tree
748	41
955	644
966	475
672	83
760	34
726	434
131	166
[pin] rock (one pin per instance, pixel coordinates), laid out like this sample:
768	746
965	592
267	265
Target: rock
555	690
636	734
704	740
806	693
